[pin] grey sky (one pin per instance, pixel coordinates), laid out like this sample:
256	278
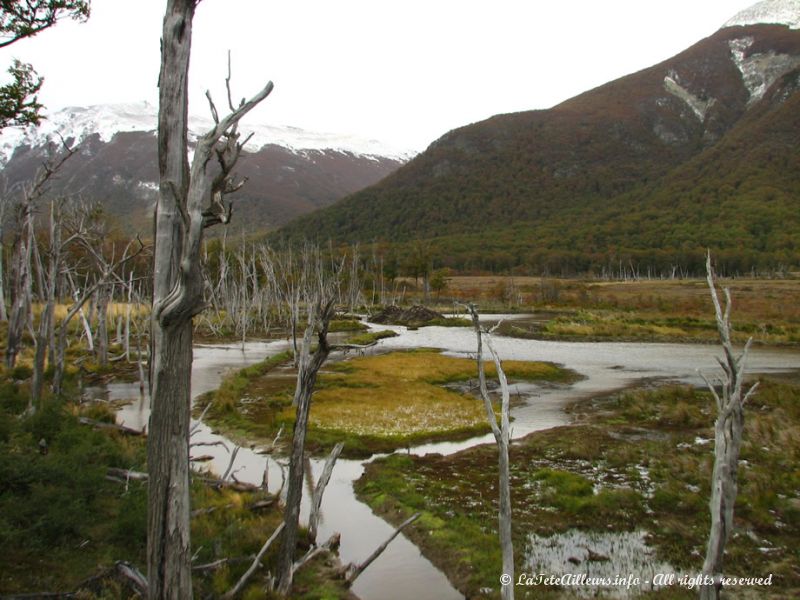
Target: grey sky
402	72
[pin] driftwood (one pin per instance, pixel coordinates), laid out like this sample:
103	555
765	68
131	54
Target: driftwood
121	570
319	490
200	419
353	571
124	475
330	544
201	458
111	426
253	567
262	504
230	464
132	574
207	511
217	443
236	485
218	564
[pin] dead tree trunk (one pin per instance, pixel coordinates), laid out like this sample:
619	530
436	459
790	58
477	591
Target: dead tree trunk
319	491
22	254
21	283
45	330
107	271
3	312
502	436
728	429
189	201
306	379
103	297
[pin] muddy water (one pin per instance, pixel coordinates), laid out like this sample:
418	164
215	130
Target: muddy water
401	572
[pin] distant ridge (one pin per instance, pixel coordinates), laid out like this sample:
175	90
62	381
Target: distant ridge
290	171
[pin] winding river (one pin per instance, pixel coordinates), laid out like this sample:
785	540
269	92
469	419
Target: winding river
402	572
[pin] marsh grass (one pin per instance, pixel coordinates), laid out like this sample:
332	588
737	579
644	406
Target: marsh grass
640	460
369	337
372	403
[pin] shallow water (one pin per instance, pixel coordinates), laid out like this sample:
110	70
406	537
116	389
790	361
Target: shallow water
402	572
611	562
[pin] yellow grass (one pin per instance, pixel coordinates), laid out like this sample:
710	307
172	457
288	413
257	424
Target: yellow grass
401	394
115	309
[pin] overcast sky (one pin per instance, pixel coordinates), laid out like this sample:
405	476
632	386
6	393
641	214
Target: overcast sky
401	72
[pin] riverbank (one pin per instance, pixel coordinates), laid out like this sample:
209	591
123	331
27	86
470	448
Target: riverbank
636	463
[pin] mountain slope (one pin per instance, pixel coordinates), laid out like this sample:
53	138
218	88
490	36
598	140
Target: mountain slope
612	171
289	171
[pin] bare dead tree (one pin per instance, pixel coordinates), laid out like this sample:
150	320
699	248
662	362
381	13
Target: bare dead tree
728	429
22	251
190	200
319	292
49	280
502	436
107	269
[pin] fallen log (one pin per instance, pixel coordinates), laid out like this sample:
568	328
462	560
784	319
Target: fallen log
353	571
201	458
253	567
125	475
218	564
111	426
330	544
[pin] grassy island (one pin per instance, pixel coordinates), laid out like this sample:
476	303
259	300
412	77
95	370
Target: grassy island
373	403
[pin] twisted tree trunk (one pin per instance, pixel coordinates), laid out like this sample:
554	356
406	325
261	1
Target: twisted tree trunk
189	201
306	379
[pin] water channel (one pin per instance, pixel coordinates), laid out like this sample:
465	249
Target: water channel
402	572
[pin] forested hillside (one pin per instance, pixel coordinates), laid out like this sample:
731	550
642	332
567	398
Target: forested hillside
698	151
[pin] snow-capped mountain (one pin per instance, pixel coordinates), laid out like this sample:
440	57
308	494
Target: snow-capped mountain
769	12
106	120
290	171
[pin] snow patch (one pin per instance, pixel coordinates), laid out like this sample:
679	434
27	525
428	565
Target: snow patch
759	71
780	12
78	123
698	105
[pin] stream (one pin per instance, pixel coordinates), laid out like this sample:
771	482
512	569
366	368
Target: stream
402	572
